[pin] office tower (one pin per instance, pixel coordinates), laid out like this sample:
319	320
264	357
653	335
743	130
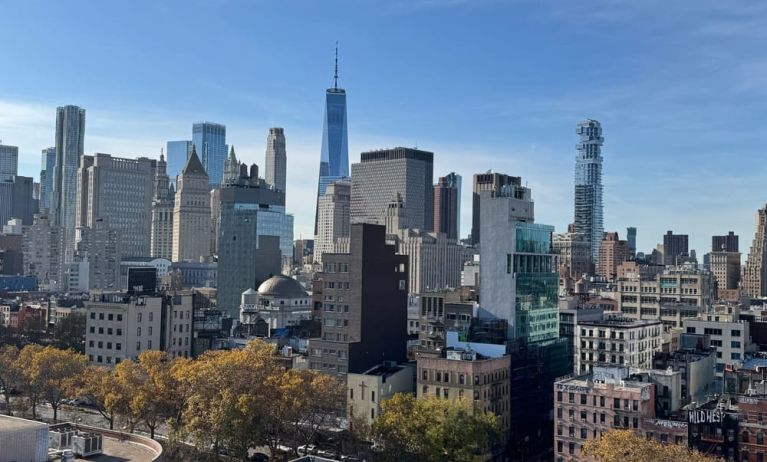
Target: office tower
447	205
178	153
631	239
121	191
754	281
434	261
276	164
97	257
382	175
210	143
574	251
364	312
303	251
70	136
334	159
518	280
728	243
42	248
46	177
162	213
191	213
9	160
16	198
333	215
255	234
488	181
612	252
725	267
588	183
215	218
674	246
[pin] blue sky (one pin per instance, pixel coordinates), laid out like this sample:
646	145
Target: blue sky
679	87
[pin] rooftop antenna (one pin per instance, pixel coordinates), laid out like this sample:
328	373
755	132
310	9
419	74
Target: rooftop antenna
335	76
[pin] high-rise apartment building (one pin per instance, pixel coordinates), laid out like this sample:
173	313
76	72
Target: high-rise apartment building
47	167
70	137
588	183
98	250
489	181
518	280
177	153
435	261
276	160
191	213
334	160
447	205
252	228
121	191
612	252
333	214
162	213
727	243
209	141
9	160
674	246
382	175
364	305
42	249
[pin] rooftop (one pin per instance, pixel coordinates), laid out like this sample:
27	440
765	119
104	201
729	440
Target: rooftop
615	321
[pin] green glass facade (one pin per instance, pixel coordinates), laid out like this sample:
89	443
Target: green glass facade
537	309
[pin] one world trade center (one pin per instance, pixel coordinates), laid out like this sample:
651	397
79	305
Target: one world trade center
334	163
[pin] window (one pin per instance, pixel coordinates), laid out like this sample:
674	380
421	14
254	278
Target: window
616	403
559	393
584	433
138	331
150	330
372	413
119	317
736	333
735	344
351	393
118	346
93	330
425	374
571	397
119	331
373	396
138	317
101	318
110	317
93	315
151	316
583	399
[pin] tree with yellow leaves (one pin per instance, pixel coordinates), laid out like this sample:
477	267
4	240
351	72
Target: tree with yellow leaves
100	386
49	374
304	401
627	446
231	392
432	429
10	375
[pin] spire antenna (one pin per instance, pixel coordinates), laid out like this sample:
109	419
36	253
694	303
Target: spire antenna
335	76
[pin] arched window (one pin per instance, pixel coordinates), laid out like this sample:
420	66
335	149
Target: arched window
760	438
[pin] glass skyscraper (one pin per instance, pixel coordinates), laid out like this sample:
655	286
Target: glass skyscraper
9	160
210	142
177	153
334	160
588	184
47	166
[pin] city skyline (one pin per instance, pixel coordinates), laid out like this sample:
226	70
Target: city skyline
528	136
